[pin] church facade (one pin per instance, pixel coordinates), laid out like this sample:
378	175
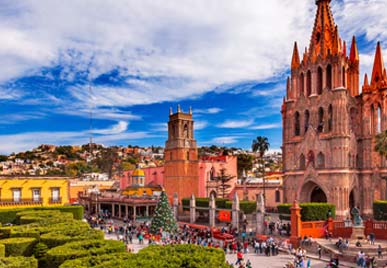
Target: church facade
329	126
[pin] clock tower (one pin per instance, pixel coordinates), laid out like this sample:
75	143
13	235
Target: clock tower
181	156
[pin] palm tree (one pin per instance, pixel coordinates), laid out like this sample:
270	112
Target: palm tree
261	145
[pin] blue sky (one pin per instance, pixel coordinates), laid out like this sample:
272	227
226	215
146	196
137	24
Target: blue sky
227	59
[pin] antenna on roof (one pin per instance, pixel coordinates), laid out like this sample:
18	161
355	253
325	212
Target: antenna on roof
91	120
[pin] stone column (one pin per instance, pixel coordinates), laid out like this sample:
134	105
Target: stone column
146	211
192	210
175	206
113	210
295	225
235	211
212	210
126	212
260	228
119	211
134	213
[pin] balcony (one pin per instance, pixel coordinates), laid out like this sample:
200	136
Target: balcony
57	200
21	201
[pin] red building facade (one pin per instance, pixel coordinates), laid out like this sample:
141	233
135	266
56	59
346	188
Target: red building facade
329	127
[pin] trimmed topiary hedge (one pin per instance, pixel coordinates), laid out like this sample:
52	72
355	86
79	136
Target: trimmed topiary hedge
380	210
56	256
9	215
310	211
171	256
205	202
18	262
60	237
2	250
19	246
247	207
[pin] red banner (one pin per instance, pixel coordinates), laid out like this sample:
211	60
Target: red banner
224	215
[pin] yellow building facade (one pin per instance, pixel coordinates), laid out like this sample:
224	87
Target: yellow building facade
79	187
19	192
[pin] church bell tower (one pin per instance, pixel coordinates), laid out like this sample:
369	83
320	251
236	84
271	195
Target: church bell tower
181	156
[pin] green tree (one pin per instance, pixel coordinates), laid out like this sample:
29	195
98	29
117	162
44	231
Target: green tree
163	218
222	181
245	162
261	145
381	143
3	158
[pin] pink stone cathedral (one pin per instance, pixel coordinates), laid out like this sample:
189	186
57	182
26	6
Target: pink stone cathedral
329	125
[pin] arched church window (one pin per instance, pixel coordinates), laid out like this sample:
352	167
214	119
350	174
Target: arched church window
320	125
320	160
349	160
277	196
329	76
372	119
306	121
358	164
330	115
186	132
302	161
319	81
212	174
170	156
302	87
188	155
311	158
173	132
344	82
379	126
297	124
308	83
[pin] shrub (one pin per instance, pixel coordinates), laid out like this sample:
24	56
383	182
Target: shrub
247	207
18	262
60	237
171	256
380	210
18	246
310	211
2	250
56	256
9	215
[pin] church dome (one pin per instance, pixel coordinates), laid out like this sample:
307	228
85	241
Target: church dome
138	173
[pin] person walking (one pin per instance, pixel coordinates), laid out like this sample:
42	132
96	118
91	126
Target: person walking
380	256
319	250
239	257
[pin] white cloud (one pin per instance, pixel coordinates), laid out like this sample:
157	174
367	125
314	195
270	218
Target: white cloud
225	140
120	127
200	125
267	126
213	110
235	123
180	55
161	127
10	94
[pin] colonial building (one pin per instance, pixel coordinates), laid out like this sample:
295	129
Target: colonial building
329	126
20	192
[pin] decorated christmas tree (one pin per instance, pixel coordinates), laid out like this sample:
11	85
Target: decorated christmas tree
163	219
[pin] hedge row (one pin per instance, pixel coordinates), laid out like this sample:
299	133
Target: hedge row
19	246
205	202
171	256
247	207
380	210
9	215
18	262
61	237
56	256
310	211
